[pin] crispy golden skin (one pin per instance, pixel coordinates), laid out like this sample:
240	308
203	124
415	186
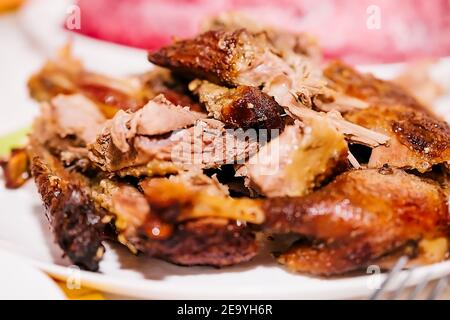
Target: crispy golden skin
357	219
218	56
418	141
368	88
242	107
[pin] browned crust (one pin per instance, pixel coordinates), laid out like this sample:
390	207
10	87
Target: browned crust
210	242
423	134
362	214
75	220
251	108
16	168
427	138
243	107
323	260
214	55
108	157
368	88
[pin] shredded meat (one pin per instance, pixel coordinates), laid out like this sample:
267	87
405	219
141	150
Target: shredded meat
73	115
207	144
285	43
157	117
239	57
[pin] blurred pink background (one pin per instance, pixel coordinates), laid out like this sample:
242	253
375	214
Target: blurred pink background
409	29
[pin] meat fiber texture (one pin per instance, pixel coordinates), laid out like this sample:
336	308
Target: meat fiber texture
365	31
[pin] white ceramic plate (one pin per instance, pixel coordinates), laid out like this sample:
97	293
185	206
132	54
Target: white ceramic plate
25	231
20	281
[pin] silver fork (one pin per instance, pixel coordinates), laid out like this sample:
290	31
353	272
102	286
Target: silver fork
436	290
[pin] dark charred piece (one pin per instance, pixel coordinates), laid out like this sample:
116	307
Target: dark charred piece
243	107
218	56
76	222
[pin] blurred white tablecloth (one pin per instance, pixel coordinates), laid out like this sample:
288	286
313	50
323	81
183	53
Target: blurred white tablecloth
18	59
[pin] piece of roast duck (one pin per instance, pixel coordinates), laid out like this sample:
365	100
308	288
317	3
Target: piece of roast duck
418	139
357	219
186	221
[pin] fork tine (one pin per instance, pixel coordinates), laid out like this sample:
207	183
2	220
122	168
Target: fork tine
395	294
397	268
438	288
420	287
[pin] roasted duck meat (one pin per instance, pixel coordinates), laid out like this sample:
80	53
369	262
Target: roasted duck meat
210	233
162	82
210	241
418	140
243	107
366	87
286	43
180	219
241	58
298	161
68	123
168	221
218	56
76	221
133	139
66	75
72	116
93	201
357	219
16	168
146	161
